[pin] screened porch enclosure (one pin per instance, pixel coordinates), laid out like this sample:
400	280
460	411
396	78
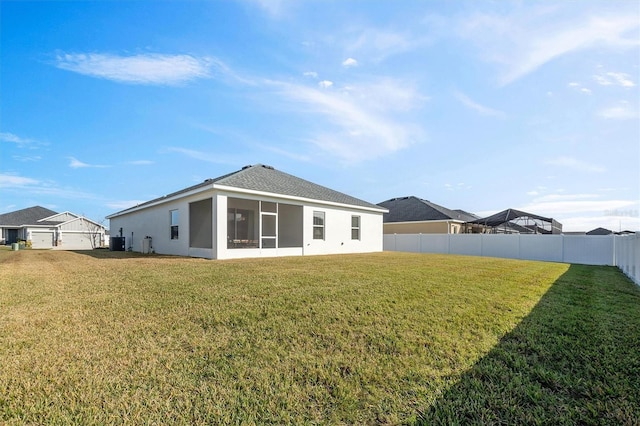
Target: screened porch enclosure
263	224
201	224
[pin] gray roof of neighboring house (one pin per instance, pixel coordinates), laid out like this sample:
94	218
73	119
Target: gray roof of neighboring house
508	215
469	216
414	209
600	231
28	216
263	178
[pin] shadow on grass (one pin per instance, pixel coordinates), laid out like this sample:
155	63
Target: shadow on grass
575	359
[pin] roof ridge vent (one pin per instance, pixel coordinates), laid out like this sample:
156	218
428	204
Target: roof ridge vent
267	167
247	167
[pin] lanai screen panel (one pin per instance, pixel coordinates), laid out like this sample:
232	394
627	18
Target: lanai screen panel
201	224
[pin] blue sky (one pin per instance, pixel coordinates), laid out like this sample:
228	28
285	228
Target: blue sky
475	105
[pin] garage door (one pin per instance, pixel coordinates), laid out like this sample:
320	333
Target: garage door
79	241
41	240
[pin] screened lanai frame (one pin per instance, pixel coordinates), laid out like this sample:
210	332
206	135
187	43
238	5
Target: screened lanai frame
263	224
512	221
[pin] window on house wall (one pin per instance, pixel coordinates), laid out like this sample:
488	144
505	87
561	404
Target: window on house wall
318	225
174	224
355	227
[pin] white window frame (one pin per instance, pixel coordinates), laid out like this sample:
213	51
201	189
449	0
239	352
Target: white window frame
357	227
174	224
322	226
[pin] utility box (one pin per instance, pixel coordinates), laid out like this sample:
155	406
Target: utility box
117	244
146	245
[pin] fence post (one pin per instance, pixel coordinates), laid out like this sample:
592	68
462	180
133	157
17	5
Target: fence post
519	246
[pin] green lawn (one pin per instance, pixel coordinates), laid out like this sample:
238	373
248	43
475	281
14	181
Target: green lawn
106	337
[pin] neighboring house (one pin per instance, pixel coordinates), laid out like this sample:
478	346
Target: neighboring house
254	212
600	231
413	215
46	229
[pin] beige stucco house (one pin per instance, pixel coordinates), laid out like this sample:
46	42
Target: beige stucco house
413	215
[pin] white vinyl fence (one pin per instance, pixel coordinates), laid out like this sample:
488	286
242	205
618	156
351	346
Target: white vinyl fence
622	251
627	255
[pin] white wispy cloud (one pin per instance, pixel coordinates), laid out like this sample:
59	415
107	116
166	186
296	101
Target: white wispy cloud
74	163
481	109
140	162
578	87
622	111
584	223
575	164
286	153
524	40
19	141
583	212
152	69
349	62
11	180
274	8
456	187
311	74
27	158
376	44
38	187
614	78
10	137
358	122
575	205
205	156
325	84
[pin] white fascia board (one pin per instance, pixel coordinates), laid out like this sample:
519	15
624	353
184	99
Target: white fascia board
294	198
161	200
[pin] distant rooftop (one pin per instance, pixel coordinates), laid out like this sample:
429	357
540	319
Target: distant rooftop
414	209
28	216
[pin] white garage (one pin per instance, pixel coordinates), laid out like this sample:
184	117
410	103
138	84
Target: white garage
80	240
42	239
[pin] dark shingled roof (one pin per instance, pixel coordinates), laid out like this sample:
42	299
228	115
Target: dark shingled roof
263	178
468	216
508	215
414	209
28	216
600	231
